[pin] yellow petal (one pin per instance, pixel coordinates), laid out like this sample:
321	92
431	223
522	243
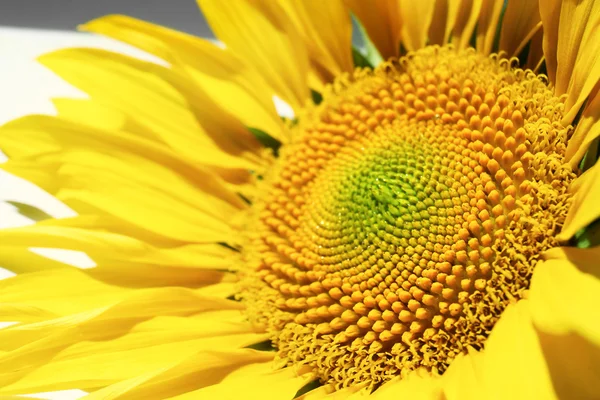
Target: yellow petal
329	393
104	117
381	19
102	245
463	379
521	21
466	19
268	42
565	313
85	179
550	16
418	385
416	18
39	135
104	361
442	21
587	129
488	25
226	79
119	258
584	208
578	53
104	334
196	372
326	31
513	354
584	259
78	292
146	91
576	17
257	380
536	52
20	260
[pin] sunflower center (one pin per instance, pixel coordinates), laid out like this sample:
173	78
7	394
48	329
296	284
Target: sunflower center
410	209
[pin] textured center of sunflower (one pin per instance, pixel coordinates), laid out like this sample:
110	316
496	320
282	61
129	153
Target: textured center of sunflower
409	210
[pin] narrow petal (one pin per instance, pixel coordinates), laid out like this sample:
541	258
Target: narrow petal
99	180
587	129
257	380
95	334
20	260
328	392
584	208
197	371
79	292
84	179
578	53
326	31
488	25
465	22
570	37
219	72
521	21
27	138
148	92
442	21
536	52
550	16
381	19
269	42
416	18
102	116
119	259
103	362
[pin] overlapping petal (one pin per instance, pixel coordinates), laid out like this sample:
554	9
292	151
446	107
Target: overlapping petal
584	208
261	33
218	72
79	338
571	49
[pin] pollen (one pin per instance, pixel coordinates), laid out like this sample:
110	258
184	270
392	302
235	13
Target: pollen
409	210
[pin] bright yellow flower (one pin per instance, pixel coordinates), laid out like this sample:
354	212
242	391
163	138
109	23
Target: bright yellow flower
408	236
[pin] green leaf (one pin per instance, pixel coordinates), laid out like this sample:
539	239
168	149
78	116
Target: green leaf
265	139
366	54
29	211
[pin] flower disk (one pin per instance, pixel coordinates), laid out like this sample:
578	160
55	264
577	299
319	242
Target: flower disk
409	210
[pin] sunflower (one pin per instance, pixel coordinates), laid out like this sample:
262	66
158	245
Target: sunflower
422	225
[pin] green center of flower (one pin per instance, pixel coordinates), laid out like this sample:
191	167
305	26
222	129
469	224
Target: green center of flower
408	212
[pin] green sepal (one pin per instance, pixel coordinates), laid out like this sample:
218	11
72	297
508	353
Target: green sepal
317	97
266	345
265	139
496	43
591	156
588	237
30	211
312	385
366	55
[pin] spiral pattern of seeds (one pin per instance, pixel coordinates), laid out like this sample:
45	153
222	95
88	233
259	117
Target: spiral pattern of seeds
409	210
